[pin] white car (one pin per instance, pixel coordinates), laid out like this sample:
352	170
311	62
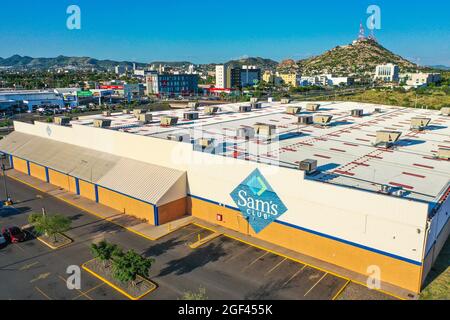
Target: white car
2	239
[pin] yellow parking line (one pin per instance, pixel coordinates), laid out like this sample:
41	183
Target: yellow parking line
18	246
28	266
341	290
324	275
90	290
256	260
81	292
248	248
187	235
274	268
300	261
43	293
295	274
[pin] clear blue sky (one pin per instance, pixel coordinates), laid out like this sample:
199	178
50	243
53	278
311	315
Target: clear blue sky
214	31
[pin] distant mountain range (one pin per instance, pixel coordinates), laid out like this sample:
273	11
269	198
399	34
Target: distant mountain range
359	58
440	67
23	62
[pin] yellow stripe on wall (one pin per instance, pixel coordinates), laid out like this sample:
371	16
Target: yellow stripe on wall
394	271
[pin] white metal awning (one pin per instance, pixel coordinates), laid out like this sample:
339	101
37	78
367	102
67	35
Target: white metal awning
151	183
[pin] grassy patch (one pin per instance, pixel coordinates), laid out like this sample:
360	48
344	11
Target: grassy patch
432	98
438	280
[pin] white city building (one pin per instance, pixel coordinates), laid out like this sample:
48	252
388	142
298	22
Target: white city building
421	79
387	73
222	78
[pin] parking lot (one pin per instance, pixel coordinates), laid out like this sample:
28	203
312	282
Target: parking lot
226	268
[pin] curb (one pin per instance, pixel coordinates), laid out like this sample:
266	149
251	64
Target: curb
116	287
205	240
57	247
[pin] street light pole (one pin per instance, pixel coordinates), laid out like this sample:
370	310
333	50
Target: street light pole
7	197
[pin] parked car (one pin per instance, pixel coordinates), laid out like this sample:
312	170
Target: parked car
2	240
14	234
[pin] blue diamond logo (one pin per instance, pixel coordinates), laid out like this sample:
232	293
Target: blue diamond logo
257	201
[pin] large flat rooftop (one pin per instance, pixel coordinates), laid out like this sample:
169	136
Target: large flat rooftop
344	149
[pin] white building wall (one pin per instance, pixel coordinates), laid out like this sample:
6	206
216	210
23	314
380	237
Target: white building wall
389	224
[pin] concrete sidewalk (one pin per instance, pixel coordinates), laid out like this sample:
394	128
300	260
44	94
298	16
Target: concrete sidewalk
130	223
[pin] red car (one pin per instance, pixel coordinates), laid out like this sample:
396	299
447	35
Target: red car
14	234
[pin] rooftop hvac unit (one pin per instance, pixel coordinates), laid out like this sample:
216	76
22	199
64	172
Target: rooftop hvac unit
126	111
193	105
445	111
102	123
308	165
245	108
285	101
145	117
357	113
387	138
253	100
62	121
256	105
293	110
168	121
205	142
264	129
419	123
312	107
190	115
211	110
305	119
384	188
443	153
180	137
246	133
399	193
107	113
136	112
322	120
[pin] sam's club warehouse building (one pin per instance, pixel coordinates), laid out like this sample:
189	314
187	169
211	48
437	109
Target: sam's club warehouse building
326	180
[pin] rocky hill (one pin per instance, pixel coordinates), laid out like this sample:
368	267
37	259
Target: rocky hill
358	58
257	61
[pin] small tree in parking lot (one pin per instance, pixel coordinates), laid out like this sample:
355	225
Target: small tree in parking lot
50	225
127	266
105	251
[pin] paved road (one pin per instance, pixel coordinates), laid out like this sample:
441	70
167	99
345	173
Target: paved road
226	268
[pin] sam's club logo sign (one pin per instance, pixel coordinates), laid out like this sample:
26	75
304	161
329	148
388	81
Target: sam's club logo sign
257	201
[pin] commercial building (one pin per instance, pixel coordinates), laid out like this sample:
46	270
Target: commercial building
32	99
250	75
172	84
268	76
339	81
387	73
359	186
420	79
133	91
222	77
228	77
120	69
291	79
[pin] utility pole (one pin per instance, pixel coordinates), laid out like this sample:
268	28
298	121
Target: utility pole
8	201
